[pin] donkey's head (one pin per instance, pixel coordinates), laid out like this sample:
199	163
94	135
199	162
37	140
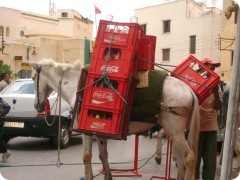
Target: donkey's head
43	90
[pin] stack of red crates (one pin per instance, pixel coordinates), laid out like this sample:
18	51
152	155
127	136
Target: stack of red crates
103	110
201	84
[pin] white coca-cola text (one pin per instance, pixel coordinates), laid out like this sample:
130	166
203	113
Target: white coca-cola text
110	68
103	95
98	125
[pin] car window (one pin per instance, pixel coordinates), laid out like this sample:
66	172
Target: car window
20	87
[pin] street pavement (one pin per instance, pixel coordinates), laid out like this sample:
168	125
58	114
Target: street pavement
35	159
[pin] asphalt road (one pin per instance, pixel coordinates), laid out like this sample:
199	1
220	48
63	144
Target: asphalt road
35	159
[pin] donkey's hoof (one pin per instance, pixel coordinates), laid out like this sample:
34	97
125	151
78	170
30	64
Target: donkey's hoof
158	160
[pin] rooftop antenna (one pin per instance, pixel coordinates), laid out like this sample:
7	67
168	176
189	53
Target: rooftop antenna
214	2
51	9
50	3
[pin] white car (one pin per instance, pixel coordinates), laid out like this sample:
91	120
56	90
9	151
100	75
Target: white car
20	95
24	120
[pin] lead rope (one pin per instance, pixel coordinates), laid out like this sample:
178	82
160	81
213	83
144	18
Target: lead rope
58	163
45	117
104	76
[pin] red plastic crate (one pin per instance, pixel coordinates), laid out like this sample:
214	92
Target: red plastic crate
117	126
119	33
202	86
119	60
99	95
147	52
101	121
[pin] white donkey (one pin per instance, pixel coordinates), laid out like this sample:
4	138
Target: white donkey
51	75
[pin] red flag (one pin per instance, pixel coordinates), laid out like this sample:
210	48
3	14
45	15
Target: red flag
97	10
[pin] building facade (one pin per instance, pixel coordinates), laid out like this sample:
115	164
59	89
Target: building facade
182	28
61	36
228	35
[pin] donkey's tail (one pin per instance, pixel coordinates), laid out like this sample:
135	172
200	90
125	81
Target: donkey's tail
194	128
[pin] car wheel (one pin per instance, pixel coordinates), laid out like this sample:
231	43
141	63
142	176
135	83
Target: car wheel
64	138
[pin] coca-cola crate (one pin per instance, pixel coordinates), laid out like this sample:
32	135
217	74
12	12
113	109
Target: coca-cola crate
118	60
104	120
99	95
201	84
147	53
119	33
101	122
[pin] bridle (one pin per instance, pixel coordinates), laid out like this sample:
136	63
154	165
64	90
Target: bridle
38	70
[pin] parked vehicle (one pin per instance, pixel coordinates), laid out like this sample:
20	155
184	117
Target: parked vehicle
24	120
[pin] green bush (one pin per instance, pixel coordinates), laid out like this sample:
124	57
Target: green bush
7	69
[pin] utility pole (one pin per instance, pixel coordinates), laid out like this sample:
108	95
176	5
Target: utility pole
232	108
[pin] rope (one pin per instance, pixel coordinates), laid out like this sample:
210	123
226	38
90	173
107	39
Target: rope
160	66
45	117
108	84
58	163
104	78
94	163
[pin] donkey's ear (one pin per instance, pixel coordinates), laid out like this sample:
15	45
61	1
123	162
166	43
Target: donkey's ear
33	64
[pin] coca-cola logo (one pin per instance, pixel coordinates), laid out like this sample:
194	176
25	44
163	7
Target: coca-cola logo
110	69
98	125
100	97
115	38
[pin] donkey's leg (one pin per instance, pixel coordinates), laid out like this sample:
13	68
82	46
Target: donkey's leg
103	155
237	146
186	158
160	136
181	168
87	156
237	151
175	125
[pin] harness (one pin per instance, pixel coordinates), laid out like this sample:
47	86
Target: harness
146	103
38	70
176	110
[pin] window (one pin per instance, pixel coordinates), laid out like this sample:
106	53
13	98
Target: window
21	33
235	17
1	31
192	42
7	32
144	27
64	14
166	26
24	73
165	54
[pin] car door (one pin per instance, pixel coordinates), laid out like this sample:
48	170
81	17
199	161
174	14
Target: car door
20	96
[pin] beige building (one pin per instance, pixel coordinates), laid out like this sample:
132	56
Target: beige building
63	36
183	28
228	35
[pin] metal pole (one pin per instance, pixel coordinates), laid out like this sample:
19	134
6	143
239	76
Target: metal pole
232	98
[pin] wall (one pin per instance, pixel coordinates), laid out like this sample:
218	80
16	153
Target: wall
183	24
228	32
61	39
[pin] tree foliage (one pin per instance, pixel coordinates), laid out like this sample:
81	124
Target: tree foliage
6	68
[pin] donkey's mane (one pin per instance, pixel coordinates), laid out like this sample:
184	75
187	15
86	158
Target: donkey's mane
60	67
